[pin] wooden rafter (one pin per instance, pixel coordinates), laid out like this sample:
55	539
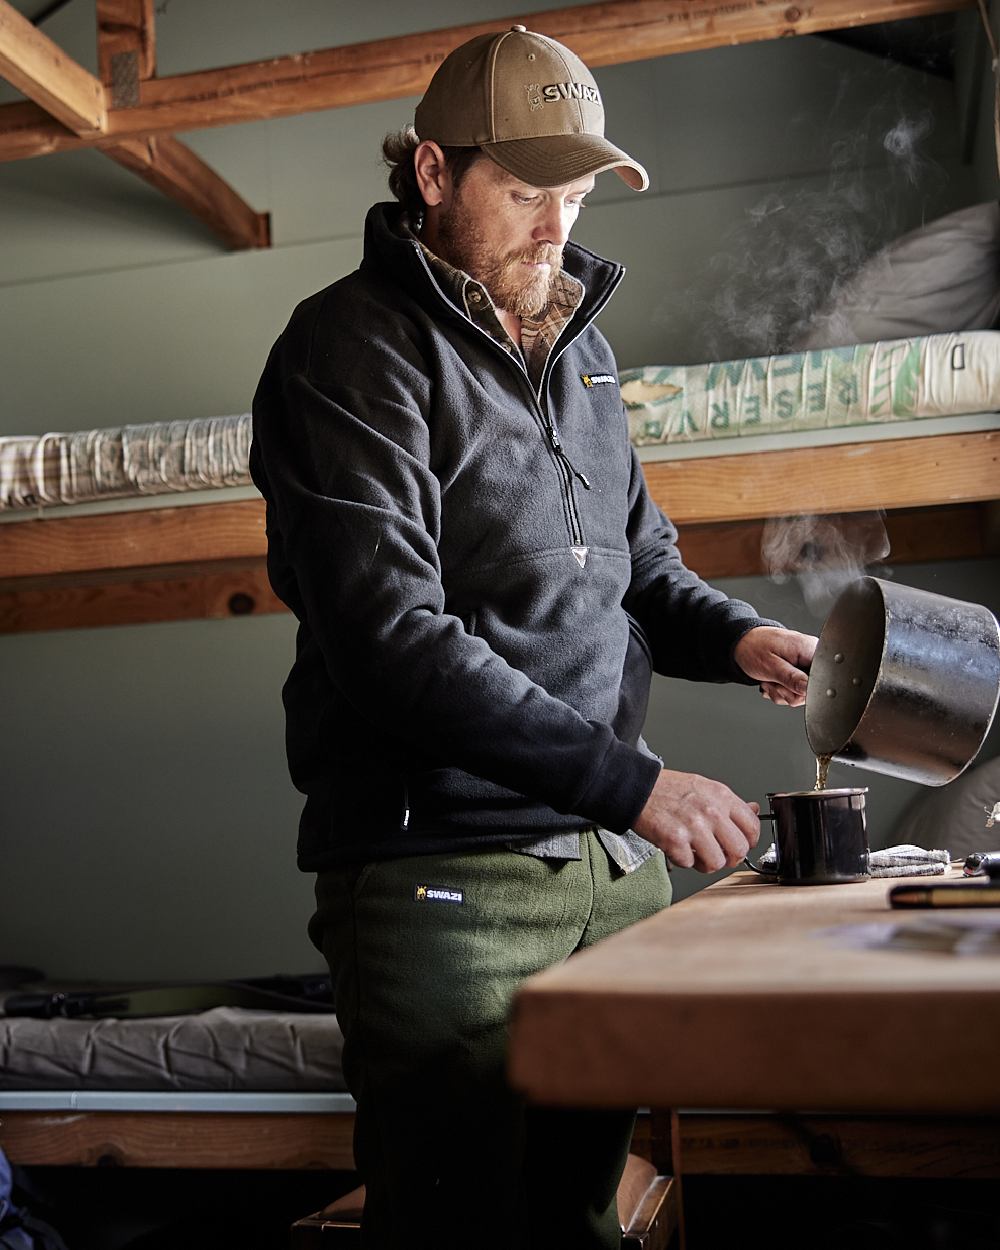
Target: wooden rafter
173	168
603	34
32	63
126	47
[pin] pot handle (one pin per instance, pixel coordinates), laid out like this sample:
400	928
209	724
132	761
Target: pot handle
764	872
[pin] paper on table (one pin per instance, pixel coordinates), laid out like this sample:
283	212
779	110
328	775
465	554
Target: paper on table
954	935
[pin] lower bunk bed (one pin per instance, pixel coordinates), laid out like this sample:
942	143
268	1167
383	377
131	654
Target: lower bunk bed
227	1088
232	1090
247	1090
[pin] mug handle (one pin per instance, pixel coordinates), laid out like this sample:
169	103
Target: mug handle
764	872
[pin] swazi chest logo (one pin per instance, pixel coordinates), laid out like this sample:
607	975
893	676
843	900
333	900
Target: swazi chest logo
437	894
598	379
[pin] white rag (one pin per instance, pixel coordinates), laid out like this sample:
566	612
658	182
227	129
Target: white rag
908	861
894	861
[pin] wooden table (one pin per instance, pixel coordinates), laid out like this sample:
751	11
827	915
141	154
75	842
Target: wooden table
741	998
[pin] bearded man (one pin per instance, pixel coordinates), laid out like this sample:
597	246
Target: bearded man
483	588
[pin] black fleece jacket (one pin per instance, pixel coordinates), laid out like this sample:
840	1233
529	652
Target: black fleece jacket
477	625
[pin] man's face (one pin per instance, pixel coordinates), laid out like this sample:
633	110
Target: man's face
508	235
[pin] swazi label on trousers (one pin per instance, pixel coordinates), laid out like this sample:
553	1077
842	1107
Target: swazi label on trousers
437	894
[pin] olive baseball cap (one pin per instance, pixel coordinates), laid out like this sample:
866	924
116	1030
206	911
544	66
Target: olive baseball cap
532	106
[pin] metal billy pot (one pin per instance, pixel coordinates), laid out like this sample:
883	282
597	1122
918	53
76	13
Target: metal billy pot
820	837
903	682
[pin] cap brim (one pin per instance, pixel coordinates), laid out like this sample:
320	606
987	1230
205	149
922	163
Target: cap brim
554	160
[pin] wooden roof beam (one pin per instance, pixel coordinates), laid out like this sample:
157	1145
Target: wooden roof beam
385	69
175	170
126	49
39	68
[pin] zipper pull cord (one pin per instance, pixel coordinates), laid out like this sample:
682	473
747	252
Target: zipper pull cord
557	447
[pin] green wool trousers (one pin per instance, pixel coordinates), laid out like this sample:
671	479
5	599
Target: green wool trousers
426	953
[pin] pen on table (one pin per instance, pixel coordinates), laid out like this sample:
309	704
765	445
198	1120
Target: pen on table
982	864
959	894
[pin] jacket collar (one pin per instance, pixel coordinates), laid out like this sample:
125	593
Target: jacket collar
401	258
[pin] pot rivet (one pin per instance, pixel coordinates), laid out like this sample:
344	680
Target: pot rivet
838	658
831	693
855	681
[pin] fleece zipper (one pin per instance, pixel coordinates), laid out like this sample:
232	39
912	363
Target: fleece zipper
567	470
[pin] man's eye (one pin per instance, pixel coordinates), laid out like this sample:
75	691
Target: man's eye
524	199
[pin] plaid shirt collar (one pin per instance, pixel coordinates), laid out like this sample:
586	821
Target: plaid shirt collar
538	334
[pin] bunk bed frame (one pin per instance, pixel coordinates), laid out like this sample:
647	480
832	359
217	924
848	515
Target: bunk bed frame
199	561
156	1130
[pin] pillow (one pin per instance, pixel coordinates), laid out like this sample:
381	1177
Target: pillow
942	277
954	816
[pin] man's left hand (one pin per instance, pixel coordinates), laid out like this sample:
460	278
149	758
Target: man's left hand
779	660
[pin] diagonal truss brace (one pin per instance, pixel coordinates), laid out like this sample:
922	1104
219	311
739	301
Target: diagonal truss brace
607	33
79	103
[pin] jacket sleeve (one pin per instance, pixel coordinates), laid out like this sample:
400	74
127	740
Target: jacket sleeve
341	452
692	628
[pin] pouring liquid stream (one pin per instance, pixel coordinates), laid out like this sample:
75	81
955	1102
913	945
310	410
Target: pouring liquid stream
822	769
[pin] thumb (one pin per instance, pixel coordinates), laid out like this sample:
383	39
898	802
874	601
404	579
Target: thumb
788	675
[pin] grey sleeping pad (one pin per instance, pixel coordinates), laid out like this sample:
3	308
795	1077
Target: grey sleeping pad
309	993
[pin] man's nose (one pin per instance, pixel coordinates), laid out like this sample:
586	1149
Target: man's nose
555	225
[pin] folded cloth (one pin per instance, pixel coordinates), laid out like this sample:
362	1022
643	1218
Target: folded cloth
908	861
894	861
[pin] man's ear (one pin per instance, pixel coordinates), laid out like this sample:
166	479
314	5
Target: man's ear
433	177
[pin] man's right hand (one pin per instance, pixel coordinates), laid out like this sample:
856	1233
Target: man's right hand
697	822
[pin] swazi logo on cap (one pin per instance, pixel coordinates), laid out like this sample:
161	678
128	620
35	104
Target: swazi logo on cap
598	379
555	91
437	894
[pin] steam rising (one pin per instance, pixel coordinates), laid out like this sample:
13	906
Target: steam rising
901	142
794	250
823	553
785	262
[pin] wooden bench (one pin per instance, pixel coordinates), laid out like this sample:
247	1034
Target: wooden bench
648	1208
